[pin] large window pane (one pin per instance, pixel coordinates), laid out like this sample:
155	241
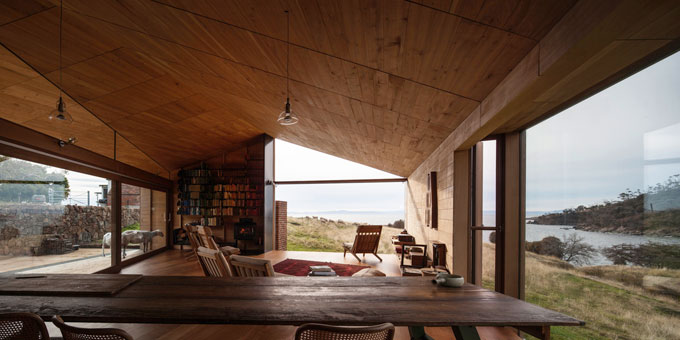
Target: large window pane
603	210
51	220
323	216
142	220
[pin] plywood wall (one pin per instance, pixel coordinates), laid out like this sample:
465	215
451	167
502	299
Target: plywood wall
441	161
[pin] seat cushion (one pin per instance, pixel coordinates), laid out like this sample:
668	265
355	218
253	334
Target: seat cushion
369	272
348	245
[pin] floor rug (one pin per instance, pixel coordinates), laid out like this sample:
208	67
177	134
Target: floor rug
301	267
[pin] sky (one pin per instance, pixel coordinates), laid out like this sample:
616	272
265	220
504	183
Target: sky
293	162
627	136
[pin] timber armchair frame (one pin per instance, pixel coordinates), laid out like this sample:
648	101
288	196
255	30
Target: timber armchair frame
365	242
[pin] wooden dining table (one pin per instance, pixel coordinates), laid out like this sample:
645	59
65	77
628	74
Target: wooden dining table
414	302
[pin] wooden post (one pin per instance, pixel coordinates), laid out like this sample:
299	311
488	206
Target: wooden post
461	214
116	218
513	216
269	235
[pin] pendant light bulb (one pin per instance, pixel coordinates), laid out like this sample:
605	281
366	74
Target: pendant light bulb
60	113
287	117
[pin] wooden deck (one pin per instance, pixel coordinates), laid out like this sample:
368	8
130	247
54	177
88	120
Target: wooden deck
173	263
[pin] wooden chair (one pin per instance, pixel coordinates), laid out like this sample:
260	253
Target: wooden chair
315	331
214	262
365	242
249	267
192	236
22	326
77	333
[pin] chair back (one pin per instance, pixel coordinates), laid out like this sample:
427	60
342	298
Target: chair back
244	266
214	262
22	326
77	333
205	235
192	235
367	239
315	331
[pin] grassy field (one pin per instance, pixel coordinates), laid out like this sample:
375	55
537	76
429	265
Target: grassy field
309	234
609	298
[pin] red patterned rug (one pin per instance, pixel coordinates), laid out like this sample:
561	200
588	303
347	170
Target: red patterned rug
301	267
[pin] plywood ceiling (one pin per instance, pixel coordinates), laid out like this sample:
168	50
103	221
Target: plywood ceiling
382	83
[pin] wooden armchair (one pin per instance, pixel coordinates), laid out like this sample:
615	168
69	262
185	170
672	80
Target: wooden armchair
25	326
207	239
214	263
365	242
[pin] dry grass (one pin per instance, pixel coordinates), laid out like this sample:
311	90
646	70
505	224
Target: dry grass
308	234
613	308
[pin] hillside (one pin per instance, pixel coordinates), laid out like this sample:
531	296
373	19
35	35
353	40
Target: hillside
319	234
610	299
655	212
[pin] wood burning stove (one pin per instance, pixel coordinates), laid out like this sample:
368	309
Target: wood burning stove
244	230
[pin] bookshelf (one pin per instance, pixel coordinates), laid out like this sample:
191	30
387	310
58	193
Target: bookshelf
220	197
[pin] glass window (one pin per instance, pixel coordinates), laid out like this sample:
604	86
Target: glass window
51	220
603	210
142	220
323	216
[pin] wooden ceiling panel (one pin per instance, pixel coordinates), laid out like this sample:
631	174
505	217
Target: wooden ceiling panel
11	10
36	39
100	75
380	82
529	18
142	97
264	16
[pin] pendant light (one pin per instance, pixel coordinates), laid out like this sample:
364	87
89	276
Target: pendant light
60	113
287	117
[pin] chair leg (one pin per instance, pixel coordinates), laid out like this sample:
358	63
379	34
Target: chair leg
376	255
355	255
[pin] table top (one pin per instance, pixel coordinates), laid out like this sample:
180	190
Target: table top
403	301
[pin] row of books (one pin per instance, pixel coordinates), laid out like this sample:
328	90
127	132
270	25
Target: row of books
211	221
214	212
200	203
216	203
219	187
211	173
196	195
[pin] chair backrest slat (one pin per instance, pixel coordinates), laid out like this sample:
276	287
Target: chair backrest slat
250	267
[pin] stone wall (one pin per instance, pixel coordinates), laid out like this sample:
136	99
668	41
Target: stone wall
40	229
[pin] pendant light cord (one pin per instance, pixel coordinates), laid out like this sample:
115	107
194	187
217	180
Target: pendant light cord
287	54
61	20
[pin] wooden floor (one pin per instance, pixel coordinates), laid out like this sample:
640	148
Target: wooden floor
172	262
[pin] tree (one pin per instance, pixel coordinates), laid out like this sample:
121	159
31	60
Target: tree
398	224
576	251
35	179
